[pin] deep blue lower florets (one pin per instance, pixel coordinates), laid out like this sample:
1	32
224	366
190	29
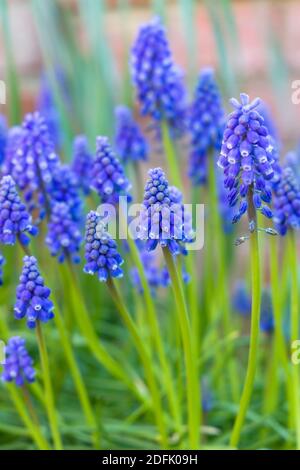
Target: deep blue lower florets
18	366
287	202
15	222
64	237
32	295
101	253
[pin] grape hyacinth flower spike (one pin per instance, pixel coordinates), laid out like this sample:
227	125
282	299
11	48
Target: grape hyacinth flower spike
15	222
107	176
247	160
287	202
82	163
249	167
65	188
101	254
32	295
33	163
206	125
163	220
131	145
18	366
64	236
158	81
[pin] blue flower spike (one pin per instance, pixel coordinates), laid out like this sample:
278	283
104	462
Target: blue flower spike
15	222
64	236
287	202
82	163
32	295
206	125
107	177
247	159
158	81
131	145
18	366
101	253
163	220
33	162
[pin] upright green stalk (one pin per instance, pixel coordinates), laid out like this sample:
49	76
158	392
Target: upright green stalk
280	354
254	333
78	381
85	325
193	382
217	234
171	156
49	399
32	427
145	358
295	328
156	336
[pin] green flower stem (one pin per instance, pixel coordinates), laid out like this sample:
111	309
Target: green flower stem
280	354
294	328
156	336
32	427
77	378
193	382
93	342
254	334
145	358
217	234
49	398
193	297
171	157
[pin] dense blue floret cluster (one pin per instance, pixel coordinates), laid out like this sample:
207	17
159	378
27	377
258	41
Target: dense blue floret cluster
32	295
287	202
33	162
158	81
163	220
206	125
18	365
82	163
247	158
131	145
65	188
64	236
107	175
15	222
101	253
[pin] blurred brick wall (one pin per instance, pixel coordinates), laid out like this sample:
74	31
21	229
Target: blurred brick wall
250	56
